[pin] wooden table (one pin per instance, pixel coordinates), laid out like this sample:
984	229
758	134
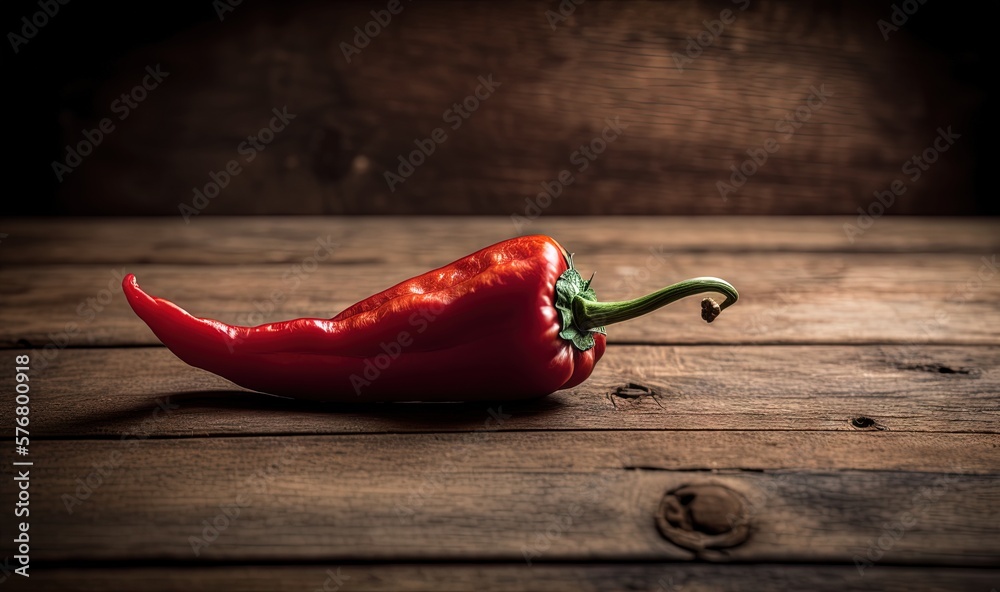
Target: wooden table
836	429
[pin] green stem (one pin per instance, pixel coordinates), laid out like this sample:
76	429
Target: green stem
590	314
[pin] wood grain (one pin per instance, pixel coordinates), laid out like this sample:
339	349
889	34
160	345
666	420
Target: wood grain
433	241
785	298
586	577
687	125
424	497
115	393
499	447
853	383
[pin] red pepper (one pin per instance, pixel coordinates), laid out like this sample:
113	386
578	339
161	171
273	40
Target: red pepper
511	321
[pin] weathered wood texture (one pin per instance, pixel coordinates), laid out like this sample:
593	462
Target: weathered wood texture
853	388
511	446
440	497
556	88
785	298
115	393
432	241
584	577
801	280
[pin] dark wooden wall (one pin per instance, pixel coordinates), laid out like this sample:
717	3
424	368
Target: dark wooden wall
887	99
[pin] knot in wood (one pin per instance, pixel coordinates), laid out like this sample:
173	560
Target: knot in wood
634	390
699	517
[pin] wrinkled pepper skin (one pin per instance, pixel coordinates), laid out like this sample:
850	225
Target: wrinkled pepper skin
484	327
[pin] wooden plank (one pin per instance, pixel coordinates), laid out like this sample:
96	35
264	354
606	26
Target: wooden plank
664	577
498	448
498	497
112	393
558	83
434	241
785	298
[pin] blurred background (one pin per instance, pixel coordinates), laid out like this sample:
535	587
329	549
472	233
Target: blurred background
228	107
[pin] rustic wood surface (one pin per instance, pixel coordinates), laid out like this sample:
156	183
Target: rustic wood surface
361	497
599	577
790	294
827	416
794	298
902	389
388	239
750	81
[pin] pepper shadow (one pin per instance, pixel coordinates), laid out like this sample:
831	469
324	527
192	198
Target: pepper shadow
238	412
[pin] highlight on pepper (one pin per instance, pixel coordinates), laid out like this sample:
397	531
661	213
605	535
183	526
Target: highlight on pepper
514	320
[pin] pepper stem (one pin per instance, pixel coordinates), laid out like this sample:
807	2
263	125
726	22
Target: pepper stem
590	314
